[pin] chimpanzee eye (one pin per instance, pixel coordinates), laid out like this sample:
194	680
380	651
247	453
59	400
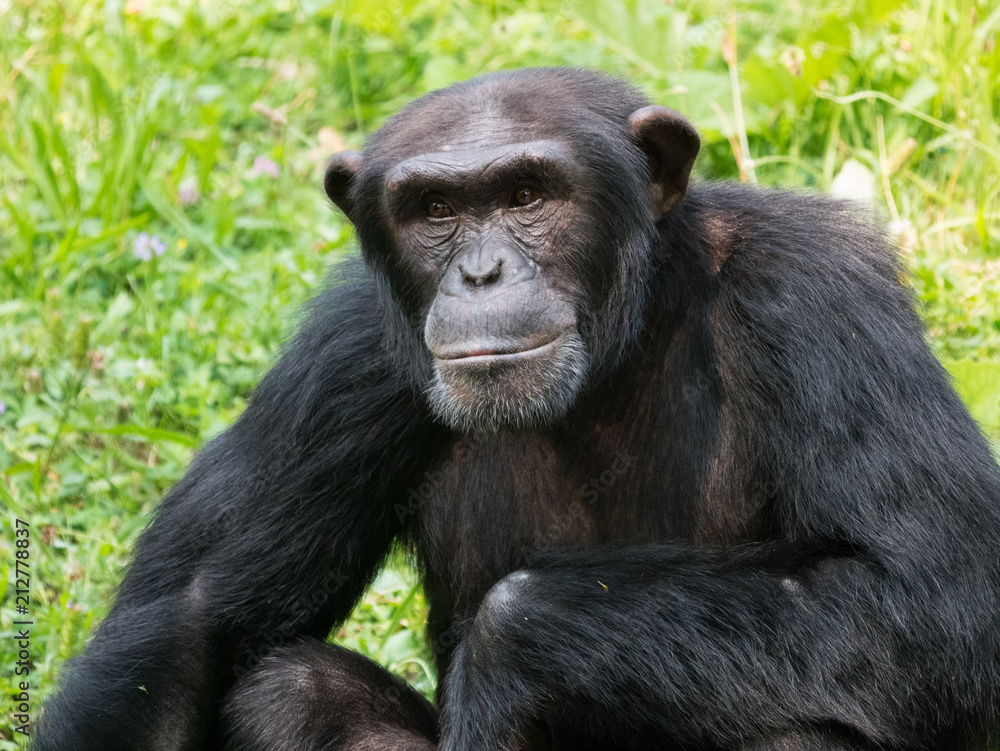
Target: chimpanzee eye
437	208
525	195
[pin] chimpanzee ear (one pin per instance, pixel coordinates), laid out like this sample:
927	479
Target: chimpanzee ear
340	172
671	144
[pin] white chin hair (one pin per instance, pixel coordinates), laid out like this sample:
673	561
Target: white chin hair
535	392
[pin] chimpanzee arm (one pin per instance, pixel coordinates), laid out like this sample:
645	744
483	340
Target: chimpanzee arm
274	532
699	647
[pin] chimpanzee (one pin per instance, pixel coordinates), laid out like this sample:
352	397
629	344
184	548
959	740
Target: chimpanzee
677	465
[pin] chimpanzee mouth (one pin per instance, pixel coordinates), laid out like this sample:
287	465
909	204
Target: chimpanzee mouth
508	386
500	352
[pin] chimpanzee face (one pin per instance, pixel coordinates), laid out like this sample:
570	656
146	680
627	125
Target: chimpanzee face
516	237
484	232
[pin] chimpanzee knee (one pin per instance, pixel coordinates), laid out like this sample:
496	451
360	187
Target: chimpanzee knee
317	697
505	606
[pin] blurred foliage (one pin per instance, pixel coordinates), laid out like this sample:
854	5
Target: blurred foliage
161	216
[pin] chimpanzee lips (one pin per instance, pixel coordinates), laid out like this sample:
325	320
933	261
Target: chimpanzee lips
481	353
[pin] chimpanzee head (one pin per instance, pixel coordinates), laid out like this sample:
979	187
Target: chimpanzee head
512	218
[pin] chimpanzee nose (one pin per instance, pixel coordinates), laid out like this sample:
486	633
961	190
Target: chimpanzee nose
486	275
484	268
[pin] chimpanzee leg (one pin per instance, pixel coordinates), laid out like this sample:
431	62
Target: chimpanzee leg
317	697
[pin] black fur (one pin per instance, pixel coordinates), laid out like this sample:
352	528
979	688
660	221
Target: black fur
768	522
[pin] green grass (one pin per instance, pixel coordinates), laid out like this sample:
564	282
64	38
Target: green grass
148	117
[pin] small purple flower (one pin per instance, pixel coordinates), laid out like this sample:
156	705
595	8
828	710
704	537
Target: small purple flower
3	407
141	247
146	246
187	192
264	166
